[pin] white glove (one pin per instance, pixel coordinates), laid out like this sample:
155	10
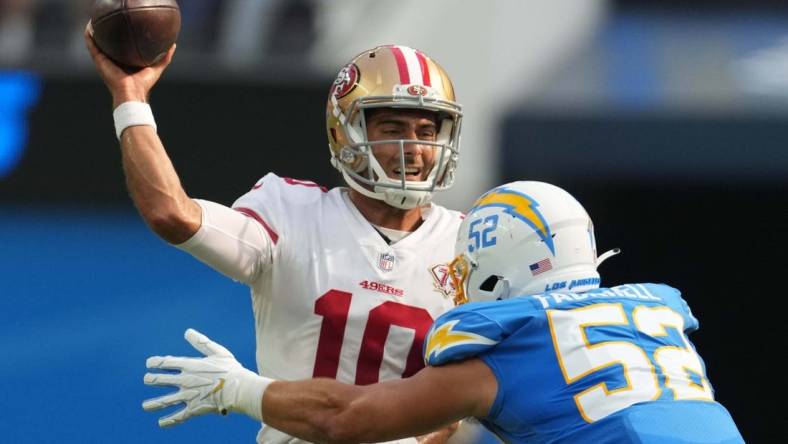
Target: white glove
216	383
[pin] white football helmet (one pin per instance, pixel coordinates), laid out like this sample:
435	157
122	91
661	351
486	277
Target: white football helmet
524	238
391	77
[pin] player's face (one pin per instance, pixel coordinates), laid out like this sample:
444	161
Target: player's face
407	124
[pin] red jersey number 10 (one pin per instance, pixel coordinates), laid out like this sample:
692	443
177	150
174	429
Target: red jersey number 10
334	307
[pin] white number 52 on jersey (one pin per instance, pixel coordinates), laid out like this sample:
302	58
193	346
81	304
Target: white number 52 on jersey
578	358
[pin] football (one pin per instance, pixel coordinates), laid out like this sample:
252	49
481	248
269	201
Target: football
135	33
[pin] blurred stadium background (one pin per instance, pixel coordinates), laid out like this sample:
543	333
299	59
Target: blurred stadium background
668	120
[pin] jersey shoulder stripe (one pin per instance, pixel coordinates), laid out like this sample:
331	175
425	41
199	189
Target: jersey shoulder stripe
253	214
291	191
461	333
282	206
444	343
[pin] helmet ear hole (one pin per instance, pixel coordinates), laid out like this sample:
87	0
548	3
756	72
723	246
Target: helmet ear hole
489	283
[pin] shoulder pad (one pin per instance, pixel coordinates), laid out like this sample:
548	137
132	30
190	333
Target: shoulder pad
460	334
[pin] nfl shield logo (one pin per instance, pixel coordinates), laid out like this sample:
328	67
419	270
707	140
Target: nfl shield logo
386	261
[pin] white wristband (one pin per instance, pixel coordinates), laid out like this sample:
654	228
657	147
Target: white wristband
132	114
243	392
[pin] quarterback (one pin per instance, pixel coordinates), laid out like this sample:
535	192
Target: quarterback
345	282
599	365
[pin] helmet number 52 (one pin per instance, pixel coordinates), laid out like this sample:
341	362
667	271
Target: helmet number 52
482	239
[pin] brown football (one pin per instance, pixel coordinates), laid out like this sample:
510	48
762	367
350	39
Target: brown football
135	33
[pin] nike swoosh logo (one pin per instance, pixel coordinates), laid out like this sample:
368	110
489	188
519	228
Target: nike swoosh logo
218	387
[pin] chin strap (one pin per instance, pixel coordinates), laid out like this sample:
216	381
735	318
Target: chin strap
607	255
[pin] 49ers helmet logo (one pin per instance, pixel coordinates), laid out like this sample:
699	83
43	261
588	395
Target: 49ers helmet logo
417	90
346	80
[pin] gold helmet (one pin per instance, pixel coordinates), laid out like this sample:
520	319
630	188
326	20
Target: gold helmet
391	77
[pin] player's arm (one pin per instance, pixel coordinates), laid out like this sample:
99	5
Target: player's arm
320	410
155	188
151	178
228	241
324	410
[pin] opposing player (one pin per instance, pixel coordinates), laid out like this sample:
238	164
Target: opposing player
541	355
345	283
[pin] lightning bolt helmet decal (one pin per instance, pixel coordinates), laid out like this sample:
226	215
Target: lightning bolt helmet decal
520	206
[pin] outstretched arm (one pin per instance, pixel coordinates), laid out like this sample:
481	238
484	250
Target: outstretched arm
324	410
321	410
151	179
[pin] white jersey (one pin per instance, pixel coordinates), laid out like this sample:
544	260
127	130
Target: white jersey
331	298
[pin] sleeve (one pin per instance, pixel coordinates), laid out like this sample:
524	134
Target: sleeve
672	297
460	334
691	323
230	242
267	204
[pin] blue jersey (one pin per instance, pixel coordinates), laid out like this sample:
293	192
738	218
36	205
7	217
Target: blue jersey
611	365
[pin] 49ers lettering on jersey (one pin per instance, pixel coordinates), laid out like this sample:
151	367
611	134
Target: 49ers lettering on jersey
336	300
381	287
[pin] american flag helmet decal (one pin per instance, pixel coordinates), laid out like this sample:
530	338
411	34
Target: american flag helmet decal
540	267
